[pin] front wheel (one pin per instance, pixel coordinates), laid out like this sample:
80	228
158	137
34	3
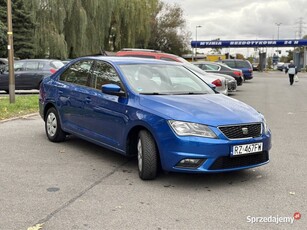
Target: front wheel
147	156
53	127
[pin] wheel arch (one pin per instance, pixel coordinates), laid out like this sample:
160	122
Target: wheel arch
132	137
47	107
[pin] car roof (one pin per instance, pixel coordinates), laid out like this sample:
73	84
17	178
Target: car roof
206	62
36	60
153	53
234	60
128	60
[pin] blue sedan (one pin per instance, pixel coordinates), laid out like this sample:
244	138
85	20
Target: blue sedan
156	110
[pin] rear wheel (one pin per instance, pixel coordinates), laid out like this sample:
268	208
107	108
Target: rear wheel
53	127
147	156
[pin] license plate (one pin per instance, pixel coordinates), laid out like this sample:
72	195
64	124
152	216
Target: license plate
246	149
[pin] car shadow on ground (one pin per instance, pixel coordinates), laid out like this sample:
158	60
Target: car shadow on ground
207	181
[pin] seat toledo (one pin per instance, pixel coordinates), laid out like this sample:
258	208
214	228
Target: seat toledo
156	110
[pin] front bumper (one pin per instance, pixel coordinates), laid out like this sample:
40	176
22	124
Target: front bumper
215	154
248	76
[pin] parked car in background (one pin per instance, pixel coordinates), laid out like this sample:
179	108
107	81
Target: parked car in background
157	110
231	82
146	53
3	63
280	66
255	66
218	67
219	81
29	73
65	61
243	65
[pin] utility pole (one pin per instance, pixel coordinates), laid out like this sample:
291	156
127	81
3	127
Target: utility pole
10	52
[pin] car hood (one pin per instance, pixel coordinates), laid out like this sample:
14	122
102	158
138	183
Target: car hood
209	109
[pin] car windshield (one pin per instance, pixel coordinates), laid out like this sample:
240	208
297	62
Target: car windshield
163	79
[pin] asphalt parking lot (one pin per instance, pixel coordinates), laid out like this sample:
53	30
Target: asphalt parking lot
78	185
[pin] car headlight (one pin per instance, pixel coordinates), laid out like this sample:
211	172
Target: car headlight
182	128
265	126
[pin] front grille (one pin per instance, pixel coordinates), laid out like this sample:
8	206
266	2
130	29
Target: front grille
241	131
241	161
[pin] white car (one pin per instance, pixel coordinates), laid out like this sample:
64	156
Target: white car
218	80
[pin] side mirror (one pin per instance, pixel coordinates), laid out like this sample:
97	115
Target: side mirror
112	89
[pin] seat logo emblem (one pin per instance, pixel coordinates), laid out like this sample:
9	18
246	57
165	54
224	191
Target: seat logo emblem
245	131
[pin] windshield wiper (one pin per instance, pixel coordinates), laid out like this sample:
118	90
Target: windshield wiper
153	93
175	93
189	93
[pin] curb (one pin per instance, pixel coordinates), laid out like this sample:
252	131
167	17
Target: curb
20	117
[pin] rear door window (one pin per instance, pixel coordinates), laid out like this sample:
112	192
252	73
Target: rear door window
31	65
78	73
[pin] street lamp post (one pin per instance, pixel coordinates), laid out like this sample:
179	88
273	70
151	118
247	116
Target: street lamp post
278	25
196	41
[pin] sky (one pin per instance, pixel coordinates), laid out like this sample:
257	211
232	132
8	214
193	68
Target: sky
244	19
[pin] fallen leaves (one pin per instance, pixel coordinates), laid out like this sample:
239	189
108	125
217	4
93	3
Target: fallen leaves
36	227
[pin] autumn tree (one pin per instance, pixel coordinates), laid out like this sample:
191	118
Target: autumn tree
168	29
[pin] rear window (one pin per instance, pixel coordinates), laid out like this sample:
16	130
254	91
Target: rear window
231	64
57	64
243	64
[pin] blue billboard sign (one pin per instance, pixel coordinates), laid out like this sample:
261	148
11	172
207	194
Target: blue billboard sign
249	43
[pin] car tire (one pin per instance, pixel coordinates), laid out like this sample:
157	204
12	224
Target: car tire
147	155
53	127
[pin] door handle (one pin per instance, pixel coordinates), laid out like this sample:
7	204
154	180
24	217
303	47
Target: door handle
88	100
